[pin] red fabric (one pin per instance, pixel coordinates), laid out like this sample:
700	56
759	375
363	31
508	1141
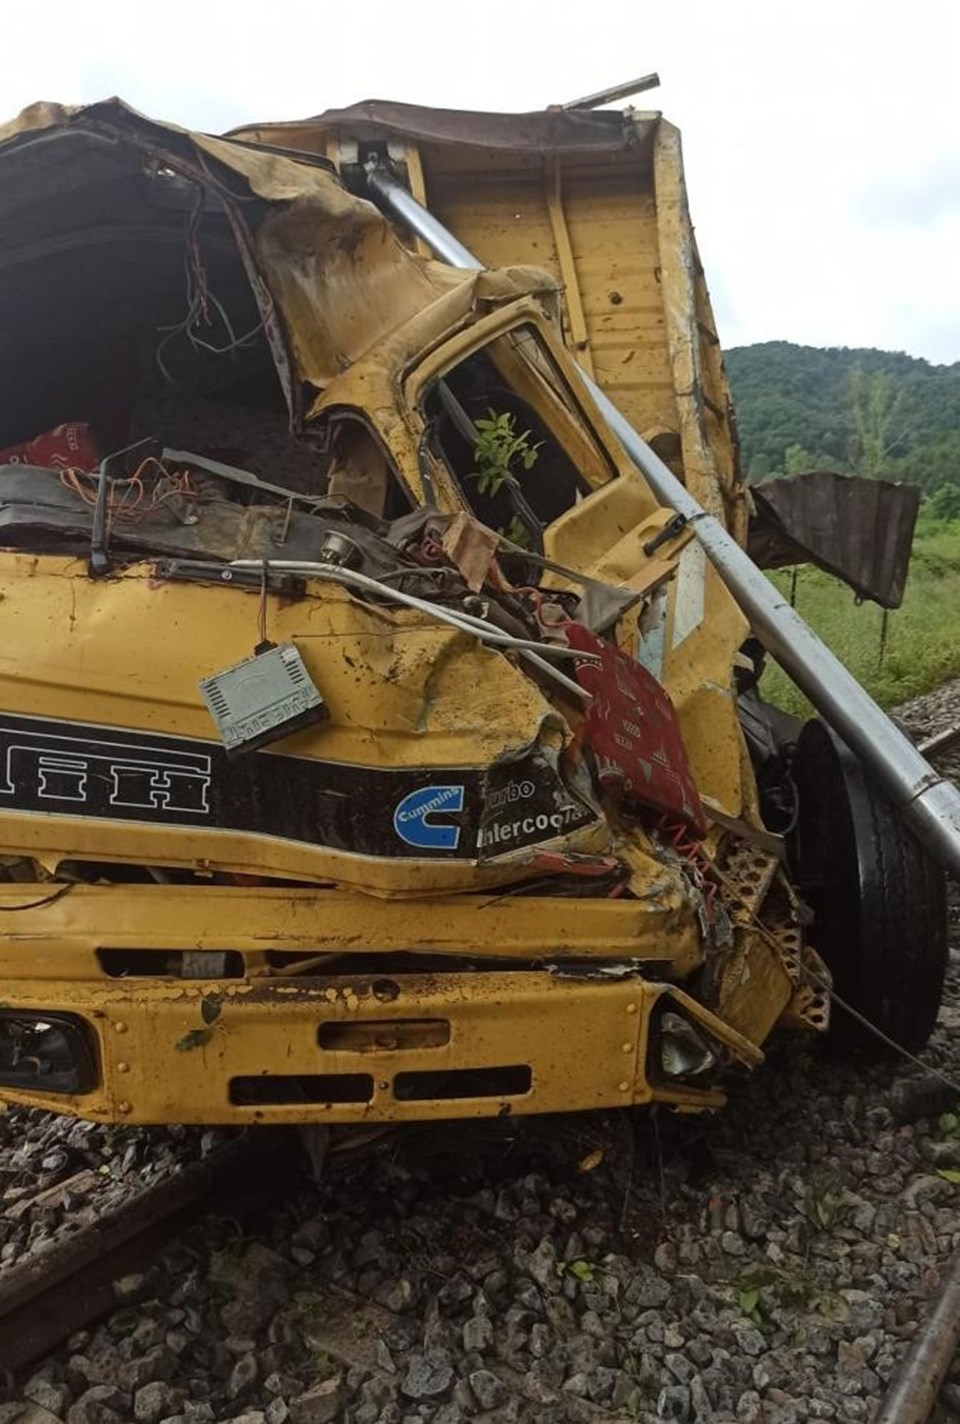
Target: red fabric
631	728
69	445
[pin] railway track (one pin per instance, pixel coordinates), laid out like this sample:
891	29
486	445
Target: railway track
913	1394
940	741
69	1283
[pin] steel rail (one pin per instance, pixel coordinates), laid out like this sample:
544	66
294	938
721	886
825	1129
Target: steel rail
914	1391
928	801
939	741
69	1284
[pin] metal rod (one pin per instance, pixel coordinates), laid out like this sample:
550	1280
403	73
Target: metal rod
913	1393
236	476
567	683
99	529
464	622
929	802
616	91
415	215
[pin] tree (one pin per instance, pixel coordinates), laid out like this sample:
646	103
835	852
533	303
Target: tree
797	460
931	465
945	504
899	416
876	409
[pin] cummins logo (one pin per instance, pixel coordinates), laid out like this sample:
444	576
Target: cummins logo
413	819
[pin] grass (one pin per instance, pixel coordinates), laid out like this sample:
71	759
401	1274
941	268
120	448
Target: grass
922	646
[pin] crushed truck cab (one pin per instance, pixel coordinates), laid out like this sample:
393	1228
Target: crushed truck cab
370	737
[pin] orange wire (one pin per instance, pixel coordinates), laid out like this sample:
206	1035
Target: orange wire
132	493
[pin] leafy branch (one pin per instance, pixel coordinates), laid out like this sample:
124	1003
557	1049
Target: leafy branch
499	447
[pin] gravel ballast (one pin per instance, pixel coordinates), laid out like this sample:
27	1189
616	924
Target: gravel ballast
769	1263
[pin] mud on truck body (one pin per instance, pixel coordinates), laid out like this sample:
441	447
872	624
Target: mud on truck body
375	744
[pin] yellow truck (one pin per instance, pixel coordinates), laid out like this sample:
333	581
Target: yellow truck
379	734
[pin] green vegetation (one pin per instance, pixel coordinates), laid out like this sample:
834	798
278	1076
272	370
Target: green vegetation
763	1289
855	410
923	637
499	447
875	413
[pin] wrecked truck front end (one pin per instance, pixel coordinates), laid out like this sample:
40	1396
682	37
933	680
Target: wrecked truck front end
385	770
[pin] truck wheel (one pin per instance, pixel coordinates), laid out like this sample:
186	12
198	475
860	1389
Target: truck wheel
879	900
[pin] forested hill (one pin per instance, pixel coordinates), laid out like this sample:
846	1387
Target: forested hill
860	410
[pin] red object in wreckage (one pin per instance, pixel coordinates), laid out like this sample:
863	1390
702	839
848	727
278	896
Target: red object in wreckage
68	446
632	729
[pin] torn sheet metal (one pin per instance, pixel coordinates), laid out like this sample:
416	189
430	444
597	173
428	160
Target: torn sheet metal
859	529
543	131
472	547
330	276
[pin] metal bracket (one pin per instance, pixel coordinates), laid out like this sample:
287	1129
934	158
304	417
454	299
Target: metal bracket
116	466
251	580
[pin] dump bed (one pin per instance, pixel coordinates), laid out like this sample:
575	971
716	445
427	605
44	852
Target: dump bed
599	201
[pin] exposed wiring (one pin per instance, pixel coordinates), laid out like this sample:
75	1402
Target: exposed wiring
421	571
38	904
463	622
128	500
699	864
200	302
891	1043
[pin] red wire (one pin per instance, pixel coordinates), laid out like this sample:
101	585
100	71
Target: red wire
690	851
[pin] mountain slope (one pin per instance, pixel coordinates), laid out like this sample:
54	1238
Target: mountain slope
876	412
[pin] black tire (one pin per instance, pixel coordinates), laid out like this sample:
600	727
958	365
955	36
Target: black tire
879	900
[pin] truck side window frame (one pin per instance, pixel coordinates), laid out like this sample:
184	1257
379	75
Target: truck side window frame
523	379
349	421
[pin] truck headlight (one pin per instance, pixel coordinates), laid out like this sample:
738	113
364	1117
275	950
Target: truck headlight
684	1050
46	1053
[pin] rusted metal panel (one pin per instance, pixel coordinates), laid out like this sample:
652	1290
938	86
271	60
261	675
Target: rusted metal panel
547	130
599	202
859	529
329	275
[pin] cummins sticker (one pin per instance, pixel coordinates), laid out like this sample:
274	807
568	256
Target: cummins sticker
111	774
414	822
524	830
521	810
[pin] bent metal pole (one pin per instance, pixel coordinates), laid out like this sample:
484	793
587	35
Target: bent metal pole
929	802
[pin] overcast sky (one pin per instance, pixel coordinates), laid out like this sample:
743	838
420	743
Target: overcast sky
821	137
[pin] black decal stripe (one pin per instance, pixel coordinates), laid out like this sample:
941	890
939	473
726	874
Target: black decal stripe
105	773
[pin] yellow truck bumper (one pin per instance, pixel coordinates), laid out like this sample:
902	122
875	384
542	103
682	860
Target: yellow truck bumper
344	1037
390	1049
